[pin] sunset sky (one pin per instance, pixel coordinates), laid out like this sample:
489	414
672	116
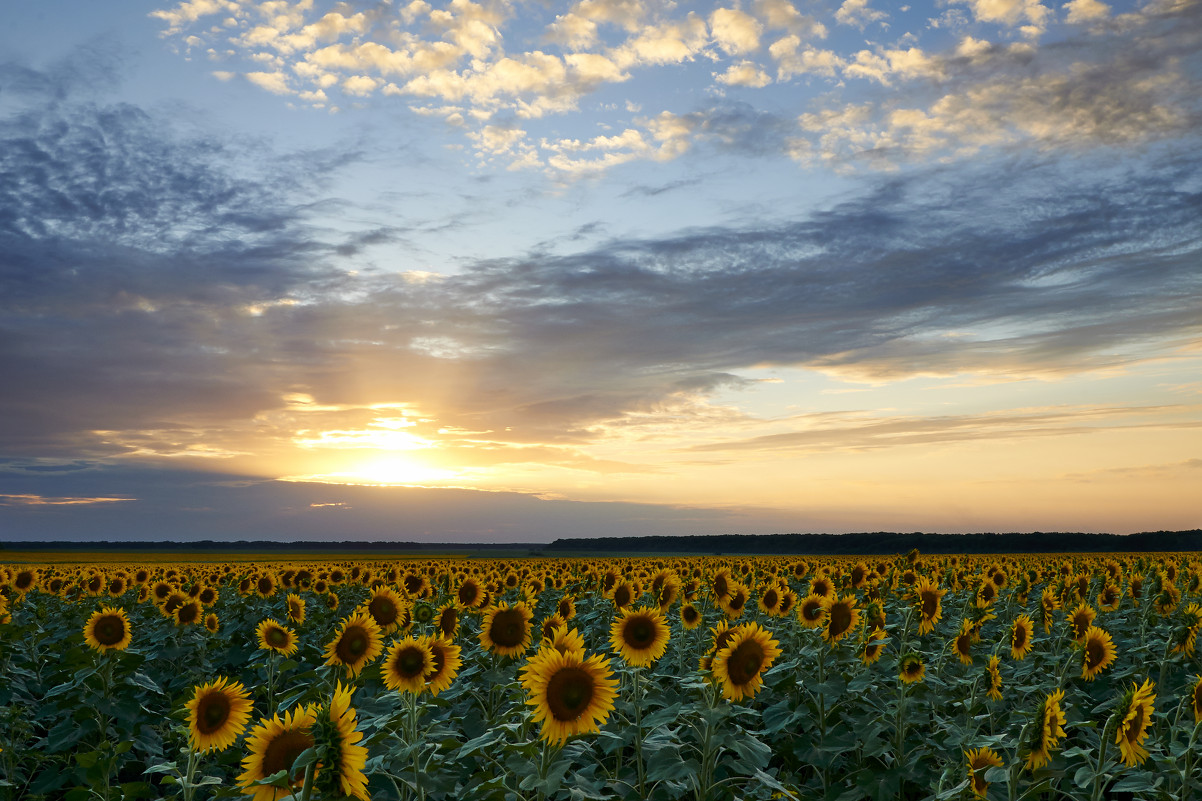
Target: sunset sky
460	271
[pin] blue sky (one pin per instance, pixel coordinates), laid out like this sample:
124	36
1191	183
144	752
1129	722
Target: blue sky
470	271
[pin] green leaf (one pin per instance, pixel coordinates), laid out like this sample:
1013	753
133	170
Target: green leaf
163	767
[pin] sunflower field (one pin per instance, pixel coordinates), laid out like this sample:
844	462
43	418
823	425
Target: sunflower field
708	678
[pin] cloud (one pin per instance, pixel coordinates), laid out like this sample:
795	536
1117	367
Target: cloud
176	313
191	506
1130	79
857	13
851	432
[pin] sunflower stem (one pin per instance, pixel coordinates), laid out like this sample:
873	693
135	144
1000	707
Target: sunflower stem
189	787
411	699
271	657
638	732
1098	780
307	788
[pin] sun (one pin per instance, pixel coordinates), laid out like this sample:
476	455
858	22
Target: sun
379	471
396	470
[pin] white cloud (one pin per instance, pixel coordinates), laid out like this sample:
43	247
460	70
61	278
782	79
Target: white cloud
790	62
734	31
857	13
744	73
1080	11
274	82
1012	13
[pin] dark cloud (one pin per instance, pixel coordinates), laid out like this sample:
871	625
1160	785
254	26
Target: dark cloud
132	504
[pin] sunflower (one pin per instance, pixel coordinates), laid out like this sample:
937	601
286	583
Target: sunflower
344	760
841	617
769	601
873	646
623	595
994	674
1021	634
722	633
979	761
212	623
505	630
1081	619
822	585
296	609
386	609
929	599
962	644
565	639
188	613
107	628
1099	652
447	620
736	601
1136	710
174	601
911	668
640	636
720	585
1048	603
217	714
548	626
406	665
570	694
740	664
1109	598
811	612
275	637
1046	730
446	663
690	618
356	644
468	593
566	607
1195	697
788	601
265	584
273	746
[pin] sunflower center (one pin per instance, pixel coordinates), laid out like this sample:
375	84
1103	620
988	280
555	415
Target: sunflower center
840	619
690	614
109	630
436	662
569	692
1136	727
265	586
409	662
930	603
811	610
963	644
188	613
467	594
1095	652
383	610
283	750
354	644
212	711
745	662
1020	637
622	595
770	599
639	632
508	628
276	638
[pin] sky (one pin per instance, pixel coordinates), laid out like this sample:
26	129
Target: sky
522	270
